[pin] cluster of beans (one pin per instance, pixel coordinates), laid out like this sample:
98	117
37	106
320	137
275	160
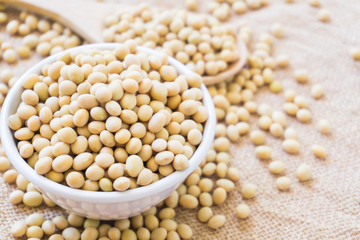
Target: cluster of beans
37	34
152	224
234	102
26	193
109	120
152	227
200	191
198	41
221	9
214	179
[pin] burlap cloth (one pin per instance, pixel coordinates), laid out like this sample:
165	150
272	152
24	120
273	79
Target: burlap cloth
326	207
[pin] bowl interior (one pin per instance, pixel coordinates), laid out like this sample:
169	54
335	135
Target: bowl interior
14	98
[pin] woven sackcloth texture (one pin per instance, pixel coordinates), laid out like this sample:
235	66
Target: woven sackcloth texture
326	207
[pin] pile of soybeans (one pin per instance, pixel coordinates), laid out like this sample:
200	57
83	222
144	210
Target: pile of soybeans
207	47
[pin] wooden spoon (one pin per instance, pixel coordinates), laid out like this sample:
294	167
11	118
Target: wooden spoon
86	18
233	69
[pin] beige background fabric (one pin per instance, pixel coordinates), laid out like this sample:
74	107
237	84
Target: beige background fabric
326	207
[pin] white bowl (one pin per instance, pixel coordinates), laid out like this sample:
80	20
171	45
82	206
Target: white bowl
102	205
